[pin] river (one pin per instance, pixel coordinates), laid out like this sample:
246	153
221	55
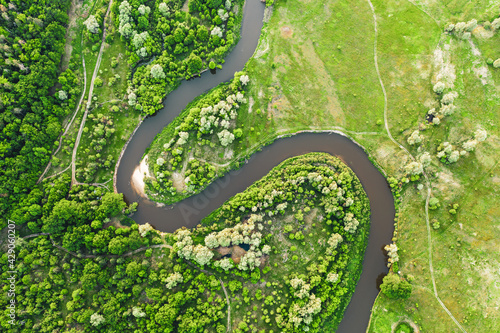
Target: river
190	211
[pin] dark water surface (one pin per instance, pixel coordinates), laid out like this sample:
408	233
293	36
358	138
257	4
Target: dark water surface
190	211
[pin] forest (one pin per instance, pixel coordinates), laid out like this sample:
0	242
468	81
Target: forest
285	255
173	44
32	42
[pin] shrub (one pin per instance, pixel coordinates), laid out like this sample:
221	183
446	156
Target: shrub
157	72
414	138
434	203
62	95
92	25
439	87
449	97
395	287
480	135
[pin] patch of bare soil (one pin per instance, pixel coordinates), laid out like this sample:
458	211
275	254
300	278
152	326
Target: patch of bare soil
224	250
446	184
237	253
286	31
68	49
185	7
178	181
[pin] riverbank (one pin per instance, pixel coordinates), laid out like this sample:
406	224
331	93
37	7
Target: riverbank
140	173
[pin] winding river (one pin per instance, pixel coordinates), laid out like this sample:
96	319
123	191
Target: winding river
190	211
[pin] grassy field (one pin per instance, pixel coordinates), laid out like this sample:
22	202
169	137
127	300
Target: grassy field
314	69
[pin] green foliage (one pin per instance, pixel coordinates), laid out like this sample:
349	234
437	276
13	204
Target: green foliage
205	121
30	117
182	43
395	287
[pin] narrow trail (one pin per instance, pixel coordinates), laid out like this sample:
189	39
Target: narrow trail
228	308
225	293
91	256
427	181
424	11
89	100
71	121
58	173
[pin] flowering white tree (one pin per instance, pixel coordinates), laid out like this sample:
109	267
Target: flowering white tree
144	10
125	30
160	161
96	319
62	95
211	241
496	24
183	137
425	159
137	312
449	97
454	156
92	25
350	223
414	138
217	31
144	229
132	98
335	239
139	39
414	168
439	87
223	14
332	277
173	279
225	137
480	135
448	109
202	254
469	145
244	79
184	244
164	9
226	264
249	261
392	252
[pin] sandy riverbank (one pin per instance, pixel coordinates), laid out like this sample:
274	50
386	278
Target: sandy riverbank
137	181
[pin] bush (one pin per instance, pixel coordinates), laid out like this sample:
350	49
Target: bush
434	203
395	287
439	87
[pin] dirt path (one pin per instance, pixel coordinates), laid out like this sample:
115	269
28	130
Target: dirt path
91	256
89	100
427	181
228	308
68	48
72	19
